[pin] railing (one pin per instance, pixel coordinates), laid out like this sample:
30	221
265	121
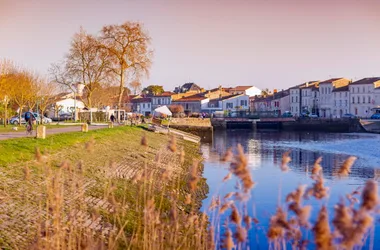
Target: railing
249	115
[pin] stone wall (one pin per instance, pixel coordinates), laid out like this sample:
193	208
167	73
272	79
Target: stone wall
205	133
191	122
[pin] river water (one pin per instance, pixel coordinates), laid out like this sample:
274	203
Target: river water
264	152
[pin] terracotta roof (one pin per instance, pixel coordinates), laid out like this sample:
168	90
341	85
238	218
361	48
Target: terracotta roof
368	80
344	88
331	80
166	93
192	98
241	88
310	84
141	100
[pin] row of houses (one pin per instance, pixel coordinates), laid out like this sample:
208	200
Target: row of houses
331	98
194	99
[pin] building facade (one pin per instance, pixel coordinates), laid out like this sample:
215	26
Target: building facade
326	101
310	98
341	101
364	96
162	99
142	106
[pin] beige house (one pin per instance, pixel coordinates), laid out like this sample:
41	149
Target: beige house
326	97
363	95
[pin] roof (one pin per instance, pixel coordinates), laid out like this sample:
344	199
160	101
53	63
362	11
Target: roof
229	97
141	100
368	80
340	89
164	94
240	88
311	84
192	98
331	80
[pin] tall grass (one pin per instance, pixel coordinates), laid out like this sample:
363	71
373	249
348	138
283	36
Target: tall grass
158	208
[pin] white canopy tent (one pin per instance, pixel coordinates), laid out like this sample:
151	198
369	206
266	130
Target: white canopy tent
164	110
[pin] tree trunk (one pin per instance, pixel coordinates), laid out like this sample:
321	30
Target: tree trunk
89	105
121	92
5	113
19	115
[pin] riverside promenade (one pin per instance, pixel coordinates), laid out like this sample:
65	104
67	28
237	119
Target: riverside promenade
52	131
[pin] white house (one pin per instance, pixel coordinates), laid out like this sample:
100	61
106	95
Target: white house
326	101
341	101
246	90
67	105
142	106
363	96
238	102
310	97
295	100
281	102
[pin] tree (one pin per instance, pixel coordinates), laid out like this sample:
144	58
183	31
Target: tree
153	90
21	88
87	62
130	55
46	95
7	67
136	86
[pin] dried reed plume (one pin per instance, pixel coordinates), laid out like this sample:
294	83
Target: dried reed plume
322	232
227	177
26	173
193	178
172	145
144	141
89	146
235	216
278	225
302	212
38	155
228	242
228	155
240	234
345	169
225	206
239	167
370	197
285	160
182	156
317	168
318	190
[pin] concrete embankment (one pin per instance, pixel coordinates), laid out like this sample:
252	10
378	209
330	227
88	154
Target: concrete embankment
195	126
324	125
371	126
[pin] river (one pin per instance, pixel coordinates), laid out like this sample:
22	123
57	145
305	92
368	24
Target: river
264	152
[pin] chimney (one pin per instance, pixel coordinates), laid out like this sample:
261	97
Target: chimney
307	84
275	91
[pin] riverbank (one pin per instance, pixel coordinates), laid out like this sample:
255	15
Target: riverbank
106	187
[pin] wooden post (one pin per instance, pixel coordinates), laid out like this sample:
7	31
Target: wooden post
41	132
85	127
110	125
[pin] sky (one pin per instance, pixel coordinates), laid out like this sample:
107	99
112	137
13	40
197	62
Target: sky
265	43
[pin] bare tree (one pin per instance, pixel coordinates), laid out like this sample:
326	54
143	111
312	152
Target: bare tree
87	62
7	67
136	86
46	95
128	45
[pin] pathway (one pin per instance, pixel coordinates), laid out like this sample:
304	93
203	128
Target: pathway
12	135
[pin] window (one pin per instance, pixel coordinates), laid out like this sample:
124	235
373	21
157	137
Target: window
340	94
292	99
297	109
335	103
358	99
243	102
363	89
345	103
369	99
148	105
143	105
229	105
353	90
363	99
292	109
340	102
159	101
346	94
353	99
296	98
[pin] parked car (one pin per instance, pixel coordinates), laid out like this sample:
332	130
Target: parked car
313	116
46	120
375	116
287	114
348	116
63	117
15	119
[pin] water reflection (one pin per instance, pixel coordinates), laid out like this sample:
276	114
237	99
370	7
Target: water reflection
304	149
264	151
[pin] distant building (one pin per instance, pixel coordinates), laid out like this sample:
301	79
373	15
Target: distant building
188	87
142	105
246	90
326	101
237	102
364	95
341	102
162	99
310	97
192	104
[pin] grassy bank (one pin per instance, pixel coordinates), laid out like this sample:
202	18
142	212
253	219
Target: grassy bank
95	189
9	128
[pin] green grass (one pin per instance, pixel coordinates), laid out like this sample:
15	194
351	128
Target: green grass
22	149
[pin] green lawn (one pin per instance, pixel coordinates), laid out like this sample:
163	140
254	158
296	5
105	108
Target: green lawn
22	149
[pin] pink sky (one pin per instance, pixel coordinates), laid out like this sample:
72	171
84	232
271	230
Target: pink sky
266	43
